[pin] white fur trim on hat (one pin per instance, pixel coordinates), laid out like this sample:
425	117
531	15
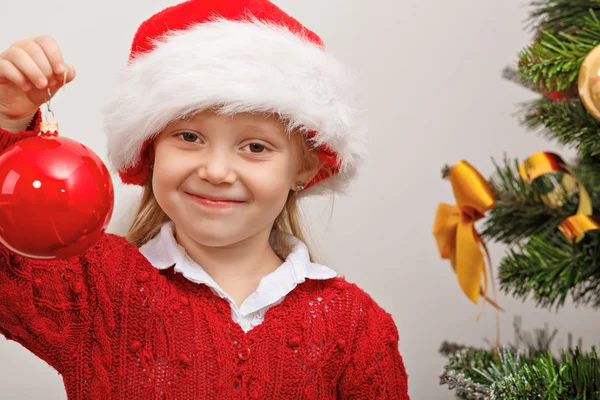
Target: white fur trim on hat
237	66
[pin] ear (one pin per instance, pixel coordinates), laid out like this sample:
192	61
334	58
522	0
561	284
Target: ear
306	175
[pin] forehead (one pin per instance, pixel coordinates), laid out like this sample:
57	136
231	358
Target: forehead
262	121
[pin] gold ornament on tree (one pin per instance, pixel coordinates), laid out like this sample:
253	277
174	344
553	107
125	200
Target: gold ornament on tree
589	82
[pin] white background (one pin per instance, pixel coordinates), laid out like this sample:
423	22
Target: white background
432	78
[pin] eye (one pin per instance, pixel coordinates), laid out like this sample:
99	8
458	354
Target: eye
189	137
255	148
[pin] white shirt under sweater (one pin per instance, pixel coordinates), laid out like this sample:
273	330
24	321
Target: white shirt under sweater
163	252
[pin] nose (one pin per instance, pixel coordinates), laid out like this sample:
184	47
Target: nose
216	167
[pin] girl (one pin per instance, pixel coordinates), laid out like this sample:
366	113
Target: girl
227	112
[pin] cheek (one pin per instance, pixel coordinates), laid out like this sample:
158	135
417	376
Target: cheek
167	171
163	174
167	176
270	183
162	189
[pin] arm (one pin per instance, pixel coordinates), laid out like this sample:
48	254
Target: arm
375	370
46	306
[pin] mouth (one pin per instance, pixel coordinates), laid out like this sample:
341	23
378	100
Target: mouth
214	202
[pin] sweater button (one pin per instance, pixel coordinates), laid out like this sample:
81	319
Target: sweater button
391	339
185	359
135	346
244	354
79	288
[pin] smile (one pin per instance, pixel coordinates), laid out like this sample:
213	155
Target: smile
214	203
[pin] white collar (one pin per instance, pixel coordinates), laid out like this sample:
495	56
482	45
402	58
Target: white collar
163	251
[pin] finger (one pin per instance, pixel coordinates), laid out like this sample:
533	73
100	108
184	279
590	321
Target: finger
53	53
25	64
38	55
10	73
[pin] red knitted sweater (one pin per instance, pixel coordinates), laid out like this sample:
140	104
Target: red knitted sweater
115	327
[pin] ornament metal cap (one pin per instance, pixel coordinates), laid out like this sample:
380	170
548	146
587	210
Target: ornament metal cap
49	128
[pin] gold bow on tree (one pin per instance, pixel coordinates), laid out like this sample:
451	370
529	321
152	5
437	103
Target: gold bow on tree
454	230
575	226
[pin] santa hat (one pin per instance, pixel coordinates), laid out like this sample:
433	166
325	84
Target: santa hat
235	56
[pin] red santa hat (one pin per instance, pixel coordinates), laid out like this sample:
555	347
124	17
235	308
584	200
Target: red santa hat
235	56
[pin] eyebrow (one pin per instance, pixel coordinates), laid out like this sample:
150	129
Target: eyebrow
259	128
254	127
249	126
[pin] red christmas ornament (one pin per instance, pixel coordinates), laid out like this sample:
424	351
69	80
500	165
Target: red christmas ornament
56	196
559	95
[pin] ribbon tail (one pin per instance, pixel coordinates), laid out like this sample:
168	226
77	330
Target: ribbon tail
575	226
484	294
585	202
444	229
492	302
469	259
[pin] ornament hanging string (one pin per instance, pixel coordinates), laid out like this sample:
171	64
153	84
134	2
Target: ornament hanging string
49	100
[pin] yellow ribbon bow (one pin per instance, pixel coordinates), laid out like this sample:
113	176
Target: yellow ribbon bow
575	226
455	233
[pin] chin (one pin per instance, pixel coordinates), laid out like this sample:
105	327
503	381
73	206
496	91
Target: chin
214	236
212	240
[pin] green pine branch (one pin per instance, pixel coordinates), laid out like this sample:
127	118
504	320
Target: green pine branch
566	122
553	61
559	15
550	268
522	375
576	376
460	375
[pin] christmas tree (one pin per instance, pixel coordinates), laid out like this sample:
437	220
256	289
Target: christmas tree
544	209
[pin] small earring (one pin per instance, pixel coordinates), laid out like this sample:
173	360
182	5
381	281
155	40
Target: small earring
299	186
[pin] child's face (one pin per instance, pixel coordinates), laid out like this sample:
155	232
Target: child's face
224	179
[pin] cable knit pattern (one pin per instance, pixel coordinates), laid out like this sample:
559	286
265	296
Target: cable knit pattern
115	327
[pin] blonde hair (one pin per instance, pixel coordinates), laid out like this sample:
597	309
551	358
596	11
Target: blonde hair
150	217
